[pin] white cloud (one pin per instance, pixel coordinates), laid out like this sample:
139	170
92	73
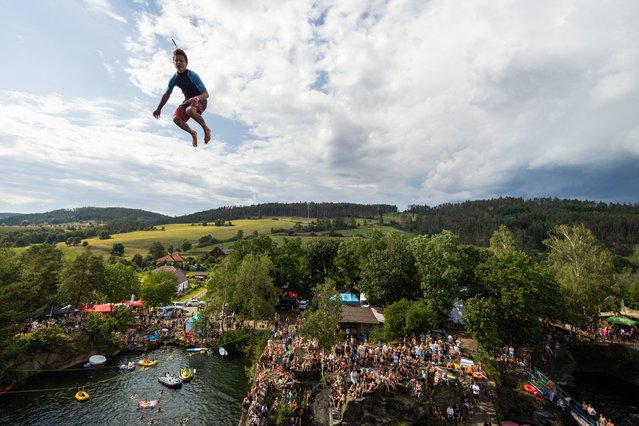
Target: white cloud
399	101
462	94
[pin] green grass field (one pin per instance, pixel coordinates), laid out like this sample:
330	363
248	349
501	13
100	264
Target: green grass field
138	242
174	234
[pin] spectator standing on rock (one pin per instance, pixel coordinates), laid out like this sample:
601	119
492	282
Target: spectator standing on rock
450	413
354	376
475	388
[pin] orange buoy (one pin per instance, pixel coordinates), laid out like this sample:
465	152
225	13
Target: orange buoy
530	388
478	375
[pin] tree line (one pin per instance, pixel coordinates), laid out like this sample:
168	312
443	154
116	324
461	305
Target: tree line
615	225
310	210
69	234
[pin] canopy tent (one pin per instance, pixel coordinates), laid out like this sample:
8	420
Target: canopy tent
51	311
103	308
134	303
188	325
347	299
619	320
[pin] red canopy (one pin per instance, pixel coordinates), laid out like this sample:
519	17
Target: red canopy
291	294
136	304
105	308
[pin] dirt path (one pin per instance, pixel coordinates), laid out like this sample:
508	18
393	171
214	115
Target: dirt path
200	294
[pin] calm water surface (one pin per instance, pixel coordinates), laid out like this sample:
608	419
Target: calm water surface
616	399
213	397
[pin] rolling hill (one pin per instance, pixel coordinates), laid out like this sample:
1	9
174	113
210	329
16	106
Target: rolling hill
87	214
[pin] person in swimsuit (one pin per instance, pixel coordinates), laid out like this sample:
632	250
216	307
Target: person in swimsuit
195	96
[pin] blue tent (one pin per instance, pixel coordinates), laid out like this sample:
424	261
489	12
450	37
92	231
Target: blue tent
188	325
347	299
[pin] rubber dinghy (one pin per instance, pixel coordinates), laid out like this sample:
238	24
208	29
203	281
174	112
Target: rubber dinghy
186	374
170	381
82	395
148	362
97	360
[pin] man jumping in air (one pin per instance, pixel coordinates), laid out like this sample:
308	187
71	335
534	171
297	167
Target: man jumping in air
195	96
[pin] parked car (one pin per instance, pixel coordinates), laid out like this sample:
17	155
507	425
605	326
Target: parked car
195	302
302	304
179	305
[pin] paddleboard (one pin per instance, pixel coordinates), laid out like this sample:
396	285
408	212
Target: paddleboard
197	349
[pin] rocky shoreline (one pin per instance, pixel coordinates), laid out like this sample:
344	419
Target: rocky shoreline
35	362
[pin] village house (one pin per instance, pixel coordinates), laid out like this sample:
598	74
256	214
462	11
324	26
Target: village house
172	259
181	280
358	321
218	252
200	276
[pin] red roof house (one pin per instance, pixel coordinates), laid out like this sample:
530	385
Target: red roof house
171	259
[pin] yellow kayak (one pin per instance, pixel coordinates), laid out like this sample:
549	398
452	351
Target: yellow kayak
146	362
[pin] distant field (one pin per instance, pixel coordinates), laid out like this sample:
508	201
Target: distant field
174	234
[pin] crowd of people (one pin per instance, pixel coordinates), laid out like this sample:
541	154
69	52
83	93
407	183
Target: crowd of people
160	325
613	333
169	326
356	369
273	384
67	322
419	364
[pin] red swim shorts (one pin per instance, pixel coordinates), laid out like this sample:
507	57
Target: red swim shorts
181	110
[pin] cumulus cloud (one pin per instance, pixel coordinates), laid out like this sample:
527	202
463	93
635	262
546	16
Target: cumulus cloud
421	98
400	101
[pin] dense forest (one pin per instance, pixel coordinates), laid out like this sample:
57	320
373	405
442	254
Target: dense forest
314	210
86	214
530	221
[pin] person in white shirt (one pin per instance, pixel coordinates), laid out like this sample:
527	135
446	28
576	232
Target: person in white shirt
475	389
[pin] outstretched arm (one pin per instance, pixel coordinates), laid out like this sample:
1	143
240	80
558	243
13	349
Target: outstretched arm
163	101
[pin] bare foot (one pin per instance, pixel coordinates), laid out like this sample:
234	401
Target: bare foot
207	135
194	136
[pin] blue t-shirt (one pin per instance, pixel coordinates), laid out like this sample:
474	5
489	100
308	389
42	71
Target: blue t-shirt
189	82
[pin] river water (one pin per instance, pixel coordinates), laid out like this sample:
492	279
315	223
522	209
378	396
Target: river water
213	397
616	399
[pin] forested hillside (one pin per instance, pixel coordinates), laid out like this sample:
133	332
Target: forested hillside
313	210
615	225
87	214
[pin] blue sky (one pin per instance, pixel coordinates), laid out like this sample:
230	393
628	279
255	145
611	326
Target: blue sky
400	101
